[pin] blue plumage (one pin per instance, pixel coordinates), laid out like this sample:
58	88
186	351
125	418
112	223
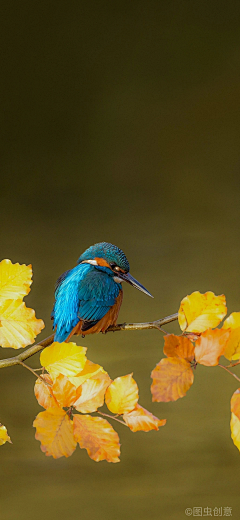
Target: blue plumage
84	293
88	297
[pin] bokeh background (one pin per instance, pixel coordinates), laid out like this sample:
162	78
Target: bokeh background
120	123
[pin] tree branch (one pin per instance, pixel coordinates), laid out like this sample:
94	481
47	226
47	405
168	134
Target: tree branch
142	326
17	360
232	374
111	417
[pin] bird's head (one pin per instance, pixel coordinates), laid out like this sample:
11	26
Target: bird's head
112	260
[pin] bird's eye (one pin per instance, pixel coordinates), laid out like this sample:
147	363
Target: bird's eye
114	266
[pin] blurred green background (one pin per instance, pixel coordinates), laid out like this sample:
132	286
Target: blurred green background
120	123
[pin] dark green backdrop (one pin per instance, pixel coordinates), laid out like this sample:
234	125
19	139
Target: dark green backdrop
120	122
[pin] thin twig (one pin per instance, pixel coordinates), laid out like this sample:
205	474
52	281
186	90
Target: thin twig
16	360
111	417
234	375
30	369
38	376
233	364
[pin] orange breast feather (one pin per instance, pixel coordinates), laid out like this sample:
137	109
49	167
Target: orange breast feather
109	319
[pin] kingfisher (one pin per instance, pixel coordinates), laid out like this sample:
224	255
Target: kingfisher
89	296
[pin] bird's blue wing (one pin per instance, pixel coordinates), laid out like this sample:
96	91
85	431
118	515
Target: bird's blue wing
65	311
84	293
97	294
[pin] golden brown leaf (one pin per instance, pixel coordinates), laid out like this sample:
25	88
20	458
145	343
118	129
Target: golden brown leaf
178	346
90	370
235	430
172	378
54	429
43	392
92	395
142	419
4	437
235	403
232	350
97	436
18	324
15	280
199	311
63	358
63	391
122	395
210	346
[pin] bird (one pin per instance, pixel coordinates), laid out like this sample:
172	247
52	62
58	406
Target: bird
88	297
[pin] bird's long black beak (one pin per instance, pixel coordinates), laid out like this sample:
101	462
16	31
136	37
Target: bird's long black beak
127	277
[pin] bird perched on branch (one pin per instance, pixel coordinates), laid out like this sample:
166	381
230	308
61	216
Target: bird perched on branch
89	296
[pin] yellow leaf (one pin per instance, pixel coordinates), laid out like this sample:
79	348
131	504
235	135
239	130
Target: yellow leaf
89	371
235	430
122	395
92	396
18	324
54	429
63	358
4	437
178	346
141	419
210	346
172	378
15	280
43	392
235	403
63	391
199	312
232	350
232	322
97	436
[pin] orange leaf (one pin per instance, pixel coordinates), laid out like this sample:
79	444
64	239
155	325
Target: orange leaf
63	391
122	395
235	430
92	395
172	378
232	350
54	429
97	436
43	392
178	346
18	324
210	346
199	311
235	403
141	419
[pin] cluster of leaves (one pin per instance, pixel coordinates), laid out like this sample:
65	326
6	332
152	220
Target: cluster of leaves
18	324
201	343
69	382
71	388
75	384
